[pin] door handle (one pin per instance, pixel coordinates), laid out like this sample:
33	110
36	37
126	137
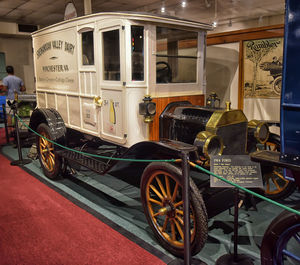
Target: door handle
98	101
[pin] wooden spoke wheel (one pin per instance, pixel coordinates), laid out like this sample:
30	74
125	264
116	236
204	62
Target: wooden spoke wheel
161	193
50	161
281	241
275	184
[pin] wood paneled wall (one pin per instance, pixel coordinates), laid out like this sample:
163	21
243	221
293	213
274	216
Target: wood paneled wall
161	103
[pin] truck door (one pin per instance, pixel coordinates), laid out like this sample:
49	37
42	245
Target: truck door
112	81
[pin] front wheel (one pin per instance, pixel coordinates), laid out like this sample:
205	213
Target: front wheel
162	199
275	184
49	160
281	241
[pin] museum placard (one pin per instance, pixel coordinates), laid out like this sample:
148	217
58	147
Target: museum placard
238	169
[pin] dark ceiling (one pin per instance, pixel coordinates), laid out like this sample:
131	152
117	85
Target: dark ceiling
47	12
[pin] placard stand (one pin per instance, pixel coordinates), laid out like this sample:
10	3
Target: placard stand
241	170
21	161
235	258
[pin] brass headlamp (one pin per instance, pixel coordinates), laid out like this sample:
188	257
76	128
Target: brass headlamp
147	108
209	144
259	129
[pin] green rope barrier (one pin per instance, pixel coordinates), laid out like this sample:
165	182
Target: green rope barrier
165	160
95	155
247	190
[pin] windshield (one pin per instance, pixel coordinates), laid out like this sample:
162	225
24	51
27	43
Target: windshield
176	56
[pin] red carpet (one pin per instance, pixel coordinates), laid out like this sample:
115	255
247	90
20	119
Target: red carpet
39	226
2	136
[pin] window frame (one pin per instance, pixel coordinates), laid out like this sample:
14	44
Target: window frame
197	57
144	54
86	28
102	73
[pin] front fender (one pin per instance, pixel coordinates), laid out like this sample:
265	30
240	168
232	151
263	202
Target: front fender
153	150
53	119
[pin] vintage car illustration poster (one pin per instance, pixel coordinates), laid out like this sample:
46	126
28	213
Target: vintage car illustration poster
262	68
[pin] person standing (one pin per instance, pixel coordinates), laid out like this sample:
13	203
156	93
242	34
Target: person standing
12	84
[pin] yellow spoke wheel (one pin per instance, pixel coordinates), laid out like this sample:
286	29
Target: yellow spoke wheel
162	198
275	184
50	162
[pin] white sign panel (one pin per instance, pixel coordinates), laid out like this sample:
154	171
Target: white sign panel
56	61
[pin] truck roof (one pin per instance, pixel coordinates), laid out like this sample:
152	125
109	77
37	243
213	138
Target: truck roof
141	16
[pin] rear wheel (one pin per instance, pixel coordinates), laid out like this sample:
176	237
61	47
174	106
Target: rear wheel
161	193
275	184
50	161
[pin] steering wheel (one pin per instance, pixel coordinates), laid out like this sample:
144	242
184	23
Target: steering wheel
163	72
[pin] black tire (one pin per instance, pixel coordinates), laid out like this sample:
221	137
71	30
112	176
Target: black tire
50	162
275	186
162	184
278	238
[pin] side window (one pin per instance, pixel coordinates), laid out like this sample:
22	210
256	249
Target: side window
111	55
176	55
137	53
87	44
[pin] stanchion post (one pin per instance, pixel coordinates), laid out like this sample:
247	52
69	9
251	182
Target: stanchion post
17	134
21	161
185	166
186	207
236	226
5	123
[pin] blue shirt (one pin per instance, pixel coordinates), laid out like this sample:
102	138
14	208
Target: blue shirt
13	84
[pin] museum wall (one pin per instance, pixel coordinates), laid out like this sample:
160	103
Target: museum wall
18	53
248	24
222	68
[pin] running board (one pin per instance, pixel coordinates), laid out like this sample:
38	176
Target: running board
91	163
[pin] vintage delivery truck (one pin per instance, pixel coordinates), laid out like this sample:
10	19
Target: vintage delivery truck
132	85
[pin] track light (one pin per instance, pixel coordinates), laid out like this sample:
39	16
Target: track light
183	3
215	24
207	3
163	9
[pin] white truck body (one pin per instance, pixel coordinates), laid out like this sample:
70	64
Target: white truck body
101	102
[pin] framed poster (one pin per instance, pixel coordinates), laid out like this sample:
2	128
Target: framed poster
262	64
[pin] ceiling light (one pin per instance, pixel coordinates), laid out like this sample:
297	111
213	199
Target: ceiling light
163	9
207	3
215	22
183	3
